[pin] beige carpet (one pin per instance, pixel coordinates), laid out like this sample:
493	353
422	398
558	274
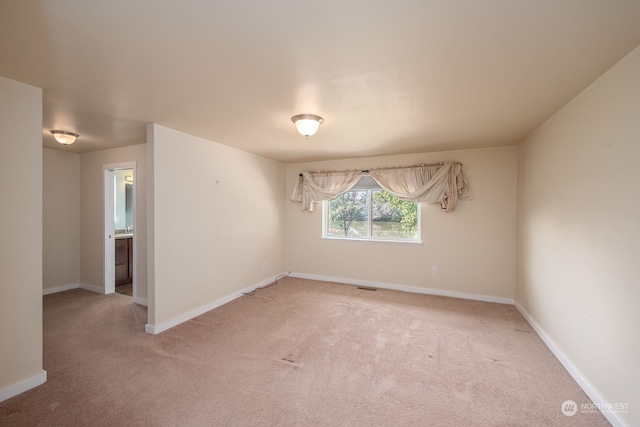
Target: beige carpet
299	353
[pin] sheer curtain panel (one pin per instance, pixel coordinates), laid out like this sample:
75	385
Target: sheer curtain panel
314	187
425	183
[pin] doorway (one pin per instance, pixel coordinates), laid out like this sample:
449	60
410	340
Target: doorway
120	228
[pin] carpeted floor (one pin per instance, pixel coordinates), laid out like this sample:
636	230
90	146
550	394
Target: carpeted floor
298	353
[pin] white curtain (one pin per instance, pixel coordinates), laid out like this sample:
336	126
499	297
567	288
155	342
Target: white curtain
442	183
427	183
313	187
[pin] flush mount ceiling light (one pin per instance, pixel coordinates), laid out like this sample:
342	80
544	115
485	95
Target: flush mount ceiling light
307	124
64	137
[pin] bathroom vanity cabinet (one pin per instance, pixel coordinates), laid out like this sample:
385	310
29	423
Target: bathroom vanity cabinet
124	260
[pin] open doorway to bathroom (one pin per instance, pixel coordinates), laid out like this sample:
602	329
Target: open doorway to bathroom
120	219
123	229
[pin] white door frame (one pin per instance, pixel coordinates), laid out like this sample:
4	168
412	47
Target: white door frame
109	237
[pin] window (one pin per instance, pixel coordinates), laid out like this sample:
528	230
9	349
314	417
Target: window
370	213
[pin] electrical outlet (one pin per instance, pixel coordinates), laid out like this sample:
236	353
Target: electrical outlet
434	270
264	265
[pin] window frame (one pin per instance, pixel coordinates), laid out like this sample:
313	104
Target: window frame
369	238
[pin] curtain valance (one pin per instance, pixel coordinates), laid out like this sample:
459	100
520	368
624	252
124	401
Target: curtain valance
313	187
442	183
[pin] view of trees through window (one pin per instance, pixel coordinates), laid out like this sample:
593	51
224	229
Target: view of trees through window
371	214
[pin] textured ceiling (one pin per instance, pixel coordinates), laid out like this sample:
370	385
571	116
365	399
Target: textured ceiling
388	77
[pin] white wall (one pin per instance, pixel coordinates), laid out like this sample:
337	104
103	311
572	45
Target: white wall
61	220
21	242
92	214
579	232
216	215
473	247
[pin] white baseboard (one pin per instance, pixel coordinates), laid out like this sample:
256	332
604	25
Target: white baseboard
48	291
92	288
156	329
404	288
22	386
579	378
140	301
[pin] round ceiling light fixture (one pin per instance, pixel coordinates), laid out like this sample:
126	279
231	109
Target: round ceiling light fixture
64	137
307	124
